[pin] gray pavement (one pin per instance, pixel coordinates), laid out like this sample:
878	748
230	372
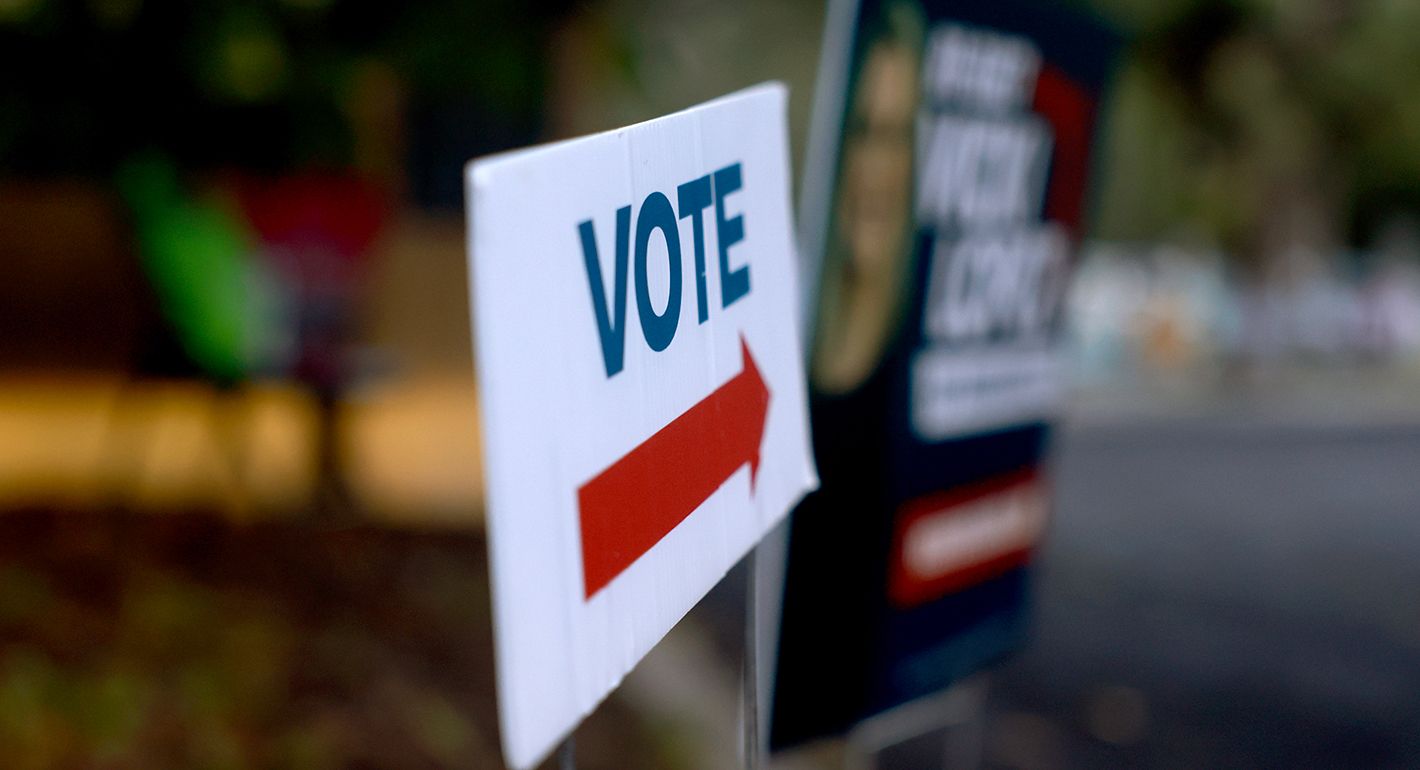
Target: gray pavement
1223	591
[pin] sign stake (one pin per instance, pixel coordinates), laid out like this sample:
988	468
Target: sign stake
750	686
566	754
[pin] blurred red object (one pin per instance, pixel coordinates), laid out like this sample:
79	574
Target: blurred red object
317	227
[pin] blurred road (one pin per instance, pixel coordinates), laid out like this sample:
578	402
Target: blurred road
1224	592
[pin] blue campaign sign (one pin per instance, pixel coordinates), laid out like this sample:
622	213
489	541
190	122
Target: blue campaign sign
951	201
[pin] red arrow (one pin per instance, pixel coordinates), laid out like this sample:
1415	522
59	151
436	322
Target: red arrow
630	506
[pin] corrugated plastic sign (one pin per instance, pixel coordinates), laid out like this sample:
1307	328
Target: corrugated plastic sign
635	312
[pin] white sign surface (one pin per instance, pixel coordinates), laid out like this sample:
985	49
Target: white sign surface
635	312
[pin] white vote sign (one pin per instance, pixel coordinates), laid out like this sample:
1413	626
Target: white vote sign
634	302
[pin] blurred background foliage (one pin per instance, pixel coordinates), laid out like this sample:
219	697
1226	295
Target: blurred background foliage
1263	125
1257	126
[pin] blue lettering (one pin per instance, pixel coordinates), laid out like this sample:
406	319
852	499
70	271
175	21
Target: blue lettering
612	332
692	198
656	214
733	283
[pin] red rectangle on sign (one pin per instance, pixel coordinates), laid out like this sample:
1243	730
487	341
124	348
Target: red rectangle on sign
948	541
